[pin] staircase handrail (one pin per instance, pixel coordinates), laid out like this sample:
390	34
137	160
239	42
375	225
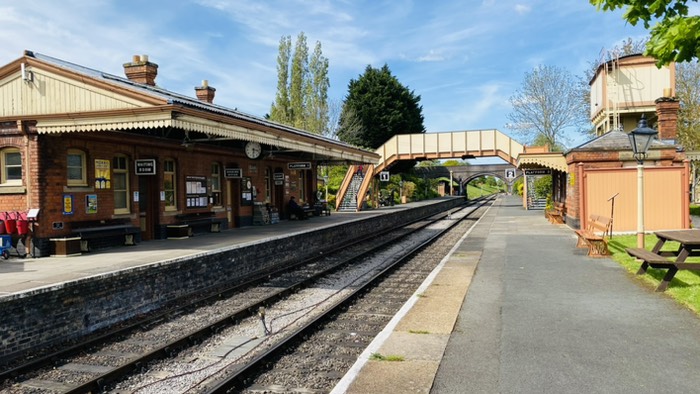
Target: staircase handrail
344	186
366	181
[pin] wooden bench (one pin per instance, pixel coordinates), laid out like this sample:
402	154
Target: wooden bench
308	212
595	236
649	259
557	213
187	223
96	234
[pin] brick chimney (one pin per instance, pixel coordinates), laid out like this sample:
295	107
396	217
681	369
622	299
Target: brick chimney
140	70
667	114
205	92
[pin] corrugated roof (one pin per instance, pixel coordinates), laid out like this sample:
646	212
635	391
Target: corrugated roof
177	98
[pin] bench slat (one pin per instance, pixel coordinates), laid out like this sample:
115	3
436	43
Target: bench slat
648	256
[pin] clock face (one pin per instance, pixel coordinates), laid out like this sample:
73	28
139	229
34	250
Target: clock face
253	150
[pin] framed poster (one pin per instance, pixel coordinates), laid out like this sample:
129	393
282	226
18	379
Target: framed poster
67	204
91	203
196	191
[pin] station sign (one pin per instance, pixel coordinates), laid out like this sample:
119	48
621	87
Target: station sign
278	176
304	165
539	171
145	166
232	172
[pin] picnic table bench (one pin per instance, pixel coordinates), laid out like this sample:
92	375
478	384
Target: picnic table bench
673	261
95	234
595	236
557	213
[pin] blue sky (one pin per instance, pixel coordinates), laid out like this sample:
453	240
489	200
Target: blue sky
464	58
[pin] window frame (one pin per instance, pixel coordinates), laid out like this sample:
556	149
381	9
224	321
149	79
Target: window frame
82	182
172	174
216	194
118	171
4	177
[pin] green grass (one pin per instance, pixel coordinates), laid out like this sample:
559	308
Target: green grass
475	192
380	357
418	332
685	286
694	210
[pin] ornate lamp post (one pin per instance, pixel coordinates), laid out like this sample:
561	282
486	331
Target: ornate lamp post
640	139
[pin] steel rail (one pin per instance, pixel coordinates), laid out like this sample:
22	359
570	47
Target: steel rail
191	338
237	379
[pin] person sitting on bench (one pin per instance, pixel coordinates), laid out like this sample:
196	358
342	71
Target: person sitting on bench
295	209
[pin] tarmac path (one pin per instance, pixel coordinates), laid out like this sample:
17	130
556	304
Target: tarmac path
540	317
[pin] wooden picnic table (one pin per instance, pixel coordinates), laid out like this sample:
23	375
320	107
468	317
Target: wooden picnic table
689	245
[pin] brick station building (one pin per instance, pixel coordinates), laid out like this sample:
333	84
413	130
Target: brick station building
82	148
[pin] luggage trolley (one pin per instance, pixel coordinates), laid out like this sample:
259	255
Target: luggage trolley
6	247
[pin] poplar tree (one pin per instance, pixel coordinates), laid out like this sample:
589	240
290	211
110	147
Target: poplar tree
316	93
302	87
281	110
299	75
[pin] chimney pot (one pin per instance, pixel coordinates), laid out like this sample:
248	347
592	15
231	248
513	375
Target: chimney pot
140	70
205	92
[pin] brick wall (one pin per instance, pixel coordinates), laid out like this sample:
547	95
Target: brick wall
47	184
71	310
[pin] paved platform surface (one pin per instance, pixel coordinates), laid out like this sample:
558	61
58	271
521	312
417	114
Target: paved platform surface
516	308
19	275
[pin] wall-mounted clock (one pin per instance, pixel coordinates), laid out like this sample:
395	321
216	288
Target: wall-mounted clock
253	150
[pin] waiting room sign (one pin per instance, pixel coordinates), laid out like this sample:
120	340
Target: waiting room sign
145	166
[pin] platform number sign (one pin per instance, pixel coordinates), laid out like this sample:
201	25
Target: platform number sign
384	176
510	173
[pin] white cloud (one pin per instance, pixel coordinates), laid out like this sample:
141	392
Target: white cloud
522	9
432	56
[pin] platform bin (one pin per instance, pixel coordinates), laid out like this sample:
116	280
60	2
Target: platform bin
10	223
22	224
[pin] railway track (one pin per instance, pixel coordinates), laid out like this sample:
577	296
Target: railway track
249	324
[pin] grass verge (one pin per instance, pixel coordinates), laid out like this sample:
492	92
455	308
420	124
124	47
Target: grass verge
685	286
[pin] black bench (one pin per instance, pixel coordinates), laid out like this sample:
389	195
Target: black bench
187	224
321	208
308	212
97	234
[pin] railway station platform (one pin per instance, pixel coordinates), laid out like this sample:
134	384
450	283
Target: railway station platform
516	308
19	275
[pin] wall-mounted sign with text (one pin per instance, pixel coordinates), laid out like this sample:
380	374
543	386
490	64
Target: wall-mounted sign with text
539	171
145	166
231	172
299	165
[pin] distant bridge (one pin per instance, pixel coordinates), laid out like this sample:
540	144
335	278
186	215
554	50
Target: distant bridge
465	174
